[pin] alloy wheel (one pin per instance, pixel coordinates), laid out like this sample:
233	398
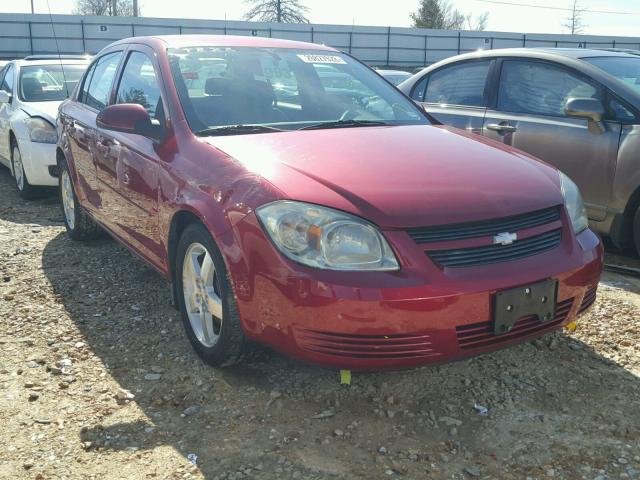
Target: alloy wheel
68	202
18	170
202	294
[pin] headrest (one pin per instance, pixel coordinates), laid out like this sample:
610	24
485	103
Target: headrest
31	87
217	86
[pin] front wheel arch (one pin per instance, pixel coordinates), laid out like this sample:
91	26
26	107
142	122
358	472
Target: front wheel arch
179	222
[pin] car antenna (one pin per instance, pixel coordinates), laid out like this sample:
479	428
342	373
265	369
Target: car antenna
55	37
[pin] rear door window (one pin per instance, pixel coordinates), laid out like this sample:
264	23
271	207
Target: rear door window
96	94
459	84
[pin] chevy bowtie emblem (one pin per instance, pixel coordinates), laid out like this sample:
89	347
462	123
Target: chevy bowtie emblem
505	238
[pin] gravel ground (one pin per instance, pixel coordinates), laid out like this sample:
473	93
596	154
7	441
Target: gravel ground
97	380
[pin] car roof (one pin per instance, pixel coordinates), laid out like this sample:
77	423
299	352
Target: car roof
51	61
546	52
570	57
183	41
392	72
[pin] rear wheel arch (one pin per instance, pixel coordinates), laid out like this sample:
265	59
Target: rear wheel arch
630	216
13	140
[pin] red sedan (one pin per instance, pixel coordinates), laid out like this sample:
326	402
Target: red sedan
294	198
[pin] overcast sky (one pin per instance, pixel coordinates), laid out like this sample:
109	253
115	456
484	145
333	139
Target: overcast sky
395	13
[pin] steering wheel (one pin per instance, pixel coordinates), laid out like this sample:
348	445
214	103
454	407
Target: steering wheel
348	114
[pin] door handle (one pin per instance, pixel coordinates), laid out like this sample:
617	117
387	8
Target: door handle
501	127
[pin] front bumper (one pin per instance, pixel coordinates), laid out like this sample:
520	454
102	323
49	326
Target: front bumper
37	158
389	320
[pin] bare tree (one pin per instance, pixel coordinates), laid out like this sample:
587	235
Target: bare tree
280	11
479	23
441	15
574	21
123	8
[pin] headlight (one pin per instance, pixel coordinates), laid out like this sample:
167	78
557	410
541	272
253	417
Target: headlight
574	204
321	237
41	131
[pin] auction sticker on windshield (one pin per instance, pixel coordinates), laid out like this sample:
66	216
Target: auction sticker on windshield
321	58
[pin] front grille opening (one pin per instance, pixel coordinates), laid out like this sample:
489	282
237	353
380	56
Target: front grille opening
471	257
588	299
480	335
483	228
392	346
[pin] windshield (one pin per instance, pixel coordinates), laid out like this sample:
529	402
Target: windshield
625	69
45	83
283	88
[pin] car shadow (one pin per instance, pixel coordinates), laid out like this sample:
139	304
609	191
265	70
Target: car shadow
43	211
547	399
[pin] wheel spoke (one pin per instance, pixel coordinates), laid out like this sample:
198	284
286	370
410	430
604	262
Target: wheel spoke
207	269
193	268
208	329
214	303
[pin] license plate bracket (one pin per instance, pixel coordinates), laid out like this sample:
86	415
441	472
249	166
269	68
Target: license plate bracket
537	299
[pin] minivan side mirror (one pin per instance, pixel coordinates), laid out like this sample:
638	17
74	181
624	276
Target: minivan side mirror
129	118
589	108
5	97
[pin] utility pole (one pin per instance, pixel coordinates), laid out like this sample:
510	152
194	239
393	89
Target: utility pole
32	9
135	8
279	11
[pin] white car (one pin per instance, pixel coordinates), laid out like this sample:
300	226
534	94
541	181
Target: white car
394	76
30	92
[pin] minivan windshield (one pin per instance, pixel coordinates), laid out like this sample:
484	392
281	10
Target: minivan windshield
625	69
47	83
282	89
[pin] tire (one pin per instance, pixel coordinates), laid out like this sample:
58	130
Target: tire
25	189
216	337
78	223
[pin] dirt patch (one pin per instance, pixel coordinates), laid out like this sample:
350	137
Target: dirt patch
97	380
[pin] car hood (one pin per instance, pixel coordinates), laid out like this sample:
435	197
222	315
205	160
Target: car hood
398	176
46	110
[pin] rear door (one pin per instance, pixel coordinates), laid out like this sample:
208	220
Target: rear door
455	94
79	121
529	115
128	164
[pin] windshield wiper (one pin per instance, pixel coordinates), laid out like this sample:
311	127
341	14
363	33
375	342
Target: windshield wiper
236	129
345	123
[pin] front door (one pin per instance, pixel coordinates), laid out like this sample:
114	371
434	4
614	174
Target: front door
529	115
127	165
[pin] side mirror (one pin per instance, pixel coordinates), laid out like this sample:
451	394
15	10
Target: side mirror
129	118
589	108
5	97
